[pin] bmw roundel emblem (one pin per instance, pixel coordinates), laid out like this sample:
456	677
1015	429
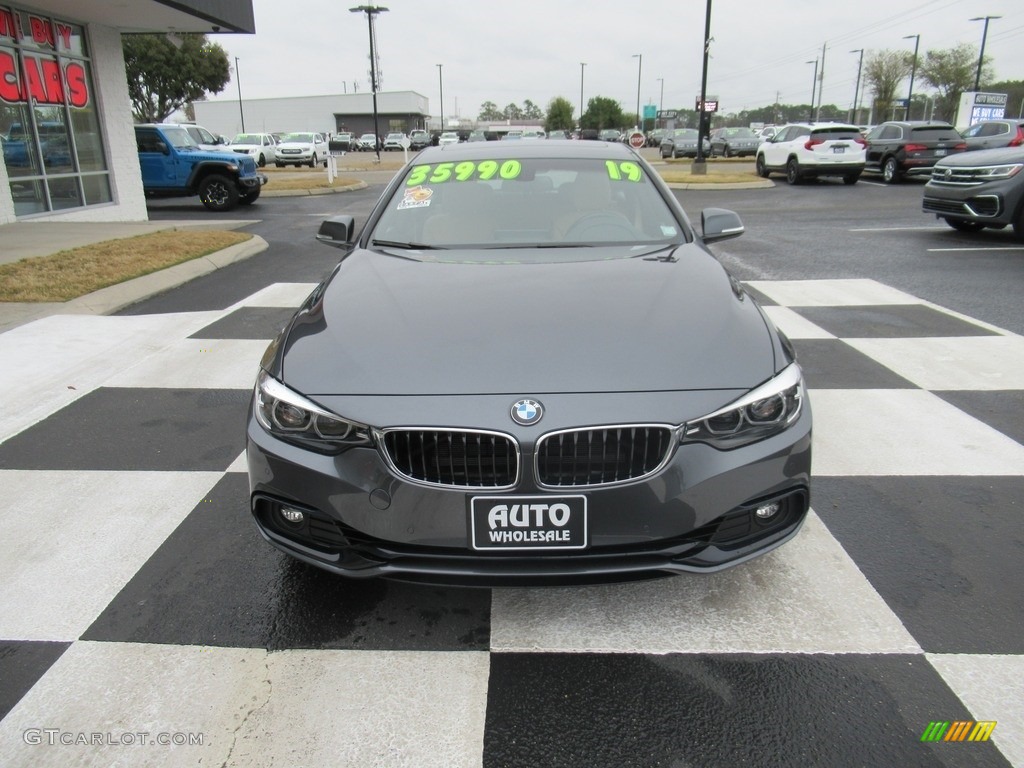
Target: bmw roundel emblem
527	412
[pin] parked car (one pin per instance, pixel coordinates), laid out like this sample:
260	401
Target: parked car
610	134
557	135
394	142
302	148
990	134
174	165
477	136
624	449
418	139
682	142
342	142
448	137
813	150
261	147
203	138
654	137
975	190
899	148
369	143
734	142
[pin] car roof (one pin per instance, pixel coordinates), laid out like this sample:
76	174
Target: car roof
528	150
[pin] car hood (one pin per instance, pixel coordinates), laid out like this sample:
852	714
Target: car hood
984	157
386	325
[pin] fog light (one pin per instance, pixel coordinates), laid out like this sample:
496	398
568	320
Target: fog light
767	510
292	516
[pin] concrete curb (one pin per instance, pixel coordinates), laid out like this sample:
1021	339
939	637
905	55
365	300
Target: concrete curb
108	300
763	184
312	191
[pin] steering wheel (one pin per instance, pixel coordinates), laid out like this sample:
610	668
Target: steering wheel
601	225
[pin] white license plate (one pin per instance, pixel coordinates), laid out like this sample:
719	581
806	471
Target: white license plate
838	150
528	522
940	152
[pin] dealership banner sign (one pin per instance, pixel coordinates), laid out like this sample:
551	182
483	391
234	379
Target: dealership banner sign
44	80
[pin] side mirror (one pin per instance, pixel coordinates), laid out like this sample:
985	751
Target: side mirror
720	224
337	231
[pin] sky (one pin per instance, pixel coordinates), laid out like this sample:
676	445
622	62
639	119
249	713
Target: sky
508	52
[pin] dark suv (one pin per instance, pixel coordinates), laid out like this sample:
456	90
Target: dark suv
979	189
901	148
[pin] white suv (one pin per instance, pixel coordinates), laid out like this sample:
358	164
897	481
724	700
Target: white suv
809	150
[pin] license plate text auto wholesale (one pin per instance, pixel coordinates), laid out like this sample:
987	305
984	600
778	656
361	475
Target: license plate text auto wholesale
528	522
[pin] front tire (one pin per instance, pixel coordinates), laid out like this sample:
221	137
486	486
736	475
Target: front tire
279	165
218	193
793	171
312	161
890	172
262	162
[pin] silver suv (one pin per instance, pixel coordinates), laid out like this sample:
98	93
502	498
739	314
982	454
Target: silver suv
809	150
975	190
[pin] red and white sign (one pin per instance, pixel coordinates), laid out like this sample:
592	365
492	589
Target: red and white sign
637	140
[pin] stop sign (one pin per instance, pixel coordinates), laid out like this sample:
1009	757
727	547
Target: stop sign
637	140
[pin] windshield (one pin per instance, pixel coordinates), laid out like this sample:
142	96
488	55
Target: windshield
685	133
246	138
544	203
739	133
306	138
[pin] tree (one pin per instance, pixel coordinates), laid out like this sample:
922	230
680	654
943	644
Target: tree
512	112
164	77
531	111
884	71
951	72
489	112
602	112
559	117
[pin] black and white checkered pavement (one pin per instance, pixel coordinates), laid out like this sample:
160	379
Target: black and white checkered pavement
139	605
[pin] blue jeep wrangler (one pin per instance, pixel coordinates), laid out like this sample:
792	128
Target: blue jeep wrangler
173	165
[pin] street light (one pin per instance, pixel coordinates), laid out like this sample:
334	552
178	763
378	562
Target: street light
814	88
913	69
661	99
856	88
371	12
582	65
639	67
440	82
981	55
699	166
238	82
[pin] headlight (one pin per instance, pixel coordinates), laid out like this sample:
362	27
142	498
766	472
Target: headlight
291	417
995	172
761	413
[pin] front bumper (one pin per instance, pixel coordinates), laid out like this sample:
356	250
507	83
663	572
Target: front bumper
696	514
992	204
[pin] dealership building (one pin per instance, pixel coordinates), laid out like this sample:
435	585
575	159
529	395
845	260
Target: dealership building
397	112
69	149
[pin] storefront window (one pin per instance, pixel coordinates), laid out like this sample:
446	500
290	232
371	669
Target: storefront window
49	127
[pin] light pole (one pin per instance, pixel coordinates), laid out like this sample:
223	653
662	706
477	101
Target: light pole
913	70
639	67
582	65
371	11
699	166
661	98
238	82
856	88
814	88
440	83
981	55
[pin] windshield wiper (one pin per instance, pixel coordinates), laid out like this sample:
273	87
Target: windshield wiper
539	245
406	246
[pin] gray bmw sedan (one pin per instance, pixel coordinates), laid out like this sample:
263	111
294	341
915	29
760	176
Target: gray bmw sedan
528	368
